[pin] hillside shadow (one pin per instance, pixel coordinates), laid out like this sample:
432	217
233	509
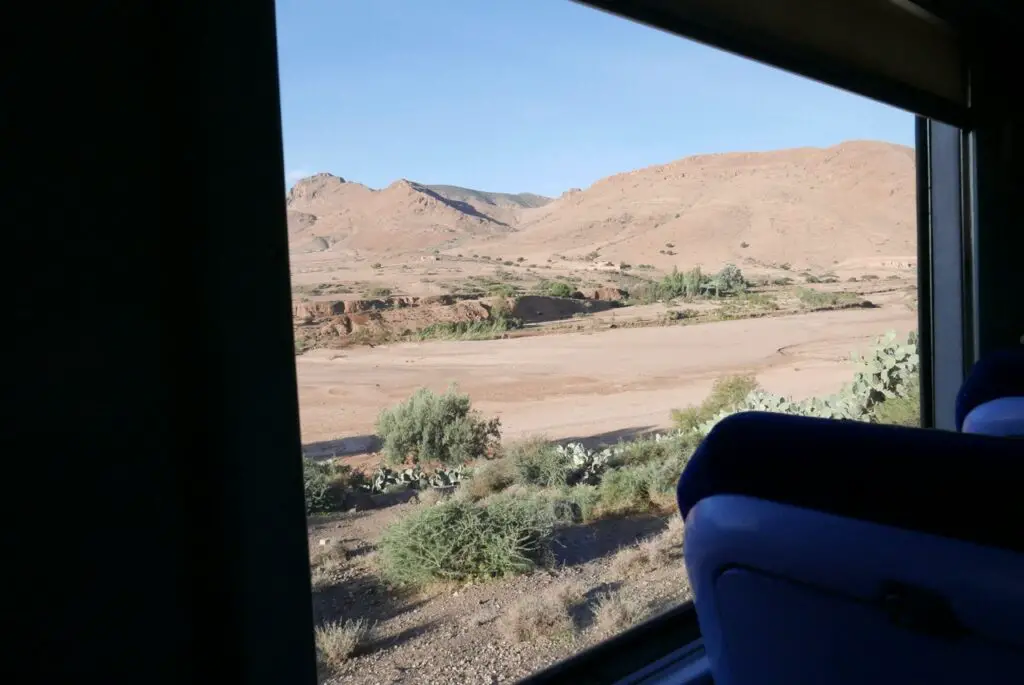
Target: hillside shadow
583	543
341	447
610	438
458	205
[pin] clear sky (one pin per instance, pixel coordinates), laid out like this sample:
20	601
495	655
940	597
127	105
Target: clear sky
530	95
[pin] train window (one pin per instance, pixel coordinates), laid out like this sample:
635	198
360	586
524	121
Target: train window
537	252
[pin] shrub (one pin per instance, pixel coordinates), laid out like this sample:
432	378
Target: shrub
376	265
437	428
559	289
816	299
549	615
728	281
489	477
617	611
900	411
627	490
502	290
326	483
379	292
584	499
675	284
326	565
537	462
487	329
316	483
726	393
337	641
459	540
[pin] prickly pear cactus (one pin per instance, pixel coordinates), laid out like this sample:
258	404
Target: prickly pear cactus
586	466
388	480
888	371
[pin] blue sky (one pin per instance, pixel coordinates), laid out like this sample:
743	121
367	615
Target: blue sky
530	95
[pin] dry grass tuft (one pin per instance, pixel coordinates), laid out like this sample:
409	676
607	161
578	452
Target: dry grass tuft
615	612
549	615
430	496
337	641
652	554
326	565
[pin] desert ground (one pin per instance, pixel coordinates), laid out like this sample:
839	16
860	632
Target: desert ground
580	386
552	315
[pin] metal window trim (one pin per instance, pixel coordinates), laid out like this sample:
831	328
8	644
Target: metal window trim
947	327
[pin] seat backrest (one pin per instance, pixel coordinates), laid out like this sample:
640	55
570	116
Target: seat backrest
826	552
998	377
991	400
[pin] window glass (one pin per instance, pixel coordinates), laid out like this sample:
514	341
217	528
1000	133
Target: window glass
537	252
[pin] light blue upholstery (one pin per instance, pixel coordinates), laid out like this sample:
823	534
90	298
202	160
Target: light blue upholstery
833	553
1004	417
788	596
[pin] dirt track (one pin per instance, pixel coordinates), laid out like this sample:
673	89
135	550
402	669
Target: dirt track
608	384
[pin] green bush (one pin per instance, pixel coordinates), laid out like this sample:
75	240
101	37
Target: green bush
900	411
817	299
726	393
486	329
436	428
537	462
325	484
316	483
627	490
489	477
502	290
559	289
728	281
584	498
458	540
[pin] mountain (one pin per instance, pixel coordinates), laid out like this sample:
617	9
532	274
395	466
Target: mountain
480	197
328	212
804	206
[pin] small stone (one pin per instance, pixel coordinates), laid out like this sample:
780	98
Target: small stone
324	542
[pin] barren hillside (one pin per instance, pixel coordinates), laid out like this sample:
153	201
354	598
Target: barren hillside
809	207
327	212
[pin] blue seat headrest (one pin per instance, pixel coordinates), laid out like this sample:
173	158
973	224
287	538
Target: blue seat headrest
956	485
999	374
1004	417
